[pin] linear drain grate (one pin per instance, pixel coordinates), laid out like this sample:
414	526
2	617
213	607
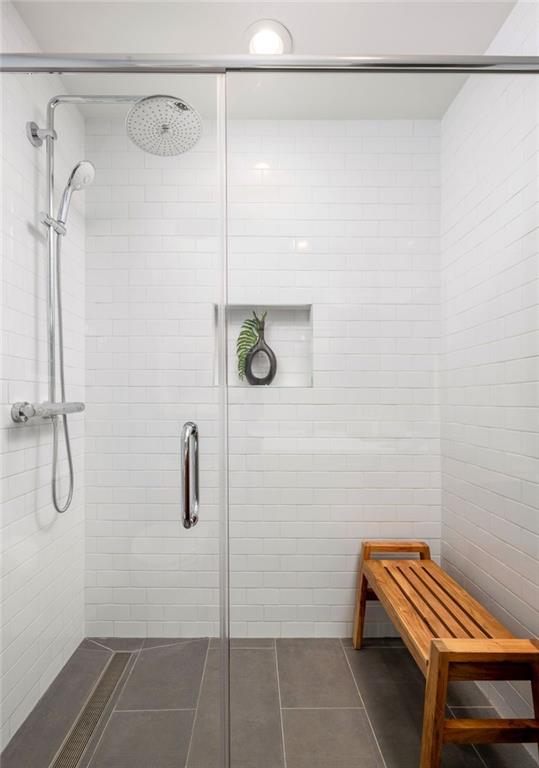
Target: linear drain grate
76	741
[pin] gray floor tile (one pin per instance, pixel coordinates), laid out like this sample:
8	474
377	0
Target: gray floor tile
144	739
375	642
463	694
205	746
167	677
38	739
497	755
162	642
319	738
256	740
129	644
314	673
392	688
245	642
316	686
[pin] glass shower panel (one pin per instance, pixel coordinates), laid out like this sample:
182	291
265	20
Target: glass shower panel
384	229
334	215
142	288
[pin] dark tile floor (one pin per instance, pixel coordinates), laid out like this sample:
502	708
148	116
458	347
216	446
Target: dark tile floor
294	704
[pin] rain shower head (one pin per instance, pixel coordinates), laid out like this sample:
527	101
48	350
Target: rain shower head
163	125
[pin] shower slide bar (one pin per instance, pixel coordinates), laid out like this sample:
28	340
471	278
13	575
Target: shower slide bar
23	412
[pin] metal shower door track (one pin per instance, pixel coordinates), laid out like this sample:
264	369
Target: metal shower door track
55	63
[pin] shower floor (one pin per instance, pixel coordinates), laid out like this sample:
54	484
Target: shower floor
294	704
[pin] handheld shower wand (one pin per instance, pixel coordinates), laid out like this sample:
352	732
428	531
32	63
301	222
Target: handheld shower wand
81	176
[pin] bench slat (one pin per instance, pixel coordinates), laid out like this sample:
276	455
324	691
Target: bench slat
448	601
413	630
450	616
480	616
425	603
423	608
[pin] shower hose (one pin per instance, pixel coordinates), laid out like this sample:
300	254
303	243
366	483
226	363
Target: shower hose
55	426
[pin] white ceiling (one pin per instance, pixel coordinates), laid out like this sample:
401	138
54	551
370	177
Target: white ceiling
324	28
317	28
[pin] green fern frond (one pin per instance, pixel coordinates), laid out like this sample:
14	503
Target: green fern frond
246	341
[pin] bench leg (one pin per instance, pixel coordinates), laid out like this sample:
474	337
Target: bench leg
361	605
363	592
535	692
434	710
361	600
476	659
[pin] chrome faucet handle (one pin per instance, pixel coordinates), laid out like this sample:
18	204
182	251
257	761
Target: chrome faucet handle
22	412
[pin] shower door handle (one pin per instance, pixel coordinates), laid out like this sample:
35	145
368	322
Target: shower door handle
189	474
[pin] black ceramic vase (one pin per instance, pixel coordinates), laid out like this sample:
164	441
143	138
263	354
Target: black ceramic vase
260	348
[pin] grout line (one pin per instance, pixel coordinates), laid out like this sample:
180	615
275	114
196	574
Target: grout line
353	677
171	709
473	746
285	709
280	701
475	706
183	641
479	755
106	647
365	706
372	645
251	648
91	756
198	702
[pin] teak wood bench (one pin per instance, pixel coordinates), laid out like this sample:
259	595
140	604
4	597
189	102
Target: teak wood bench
451	637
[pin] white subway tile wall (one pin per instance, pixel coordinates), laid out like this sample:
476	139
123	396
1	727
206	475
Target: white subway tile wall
490	369
344	216
42	588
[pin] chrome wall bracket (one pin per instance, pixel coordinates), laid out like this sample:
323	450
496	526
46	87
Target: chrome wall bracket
49	221
37	135
23	412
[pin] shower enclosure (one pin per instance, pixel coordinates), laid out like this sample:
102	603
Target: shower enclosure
207	560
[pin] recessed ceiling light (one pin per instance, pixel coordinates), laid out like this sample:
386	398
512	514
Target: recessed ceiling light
268	38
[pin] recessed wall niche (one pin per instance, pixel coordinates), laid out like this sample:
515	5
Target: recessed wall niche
288	331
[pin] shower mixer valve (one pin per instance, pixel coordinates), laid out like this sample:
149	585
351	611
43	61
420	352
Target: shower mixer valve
23	412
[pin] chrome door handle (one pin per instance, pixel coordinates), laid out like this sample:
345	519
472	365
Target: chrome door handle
189	474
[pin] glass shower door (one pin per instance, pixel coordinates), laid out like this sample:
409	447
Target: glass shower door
333	215
155	407
127	568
